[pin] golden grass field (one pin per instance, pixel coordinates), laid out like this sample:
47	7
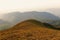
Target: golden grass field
30	30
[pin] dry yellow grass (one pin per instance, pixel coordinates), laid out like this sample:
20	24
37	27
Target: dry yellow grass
30	30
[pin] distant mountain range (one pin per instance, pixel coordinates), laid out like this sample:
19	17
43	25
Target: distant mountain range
16	17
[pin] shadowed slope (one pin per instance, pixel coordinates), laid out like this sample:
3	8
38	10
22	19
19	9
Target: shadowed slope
29	30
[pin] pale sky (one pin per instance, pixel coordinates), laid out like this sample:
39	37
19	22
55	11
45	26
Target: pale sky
27	5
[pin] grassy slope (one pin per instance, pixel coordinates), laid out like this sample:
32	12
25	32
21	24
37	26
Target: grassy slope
30	30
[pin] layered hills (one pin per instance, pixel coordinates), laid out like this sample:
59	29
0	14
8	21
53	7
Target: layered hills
16	17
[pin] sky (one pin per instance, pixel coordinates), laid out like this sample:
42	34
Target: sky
27	5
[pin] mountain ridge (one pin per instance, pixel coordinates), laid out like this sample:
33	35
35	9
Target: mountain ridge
16	17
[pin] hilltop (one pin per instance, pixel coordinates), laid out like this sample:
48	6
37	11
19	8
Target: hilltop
30	30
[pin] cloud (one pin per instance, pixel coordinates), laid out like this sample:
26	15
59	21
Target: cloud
27	5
